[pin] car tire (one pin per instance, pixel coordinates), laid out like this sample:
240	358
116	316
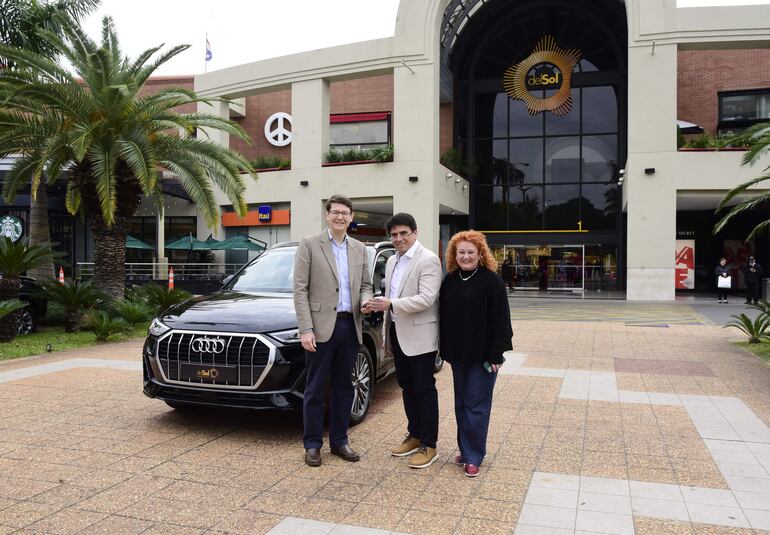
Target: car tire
362	376
26	322
438	363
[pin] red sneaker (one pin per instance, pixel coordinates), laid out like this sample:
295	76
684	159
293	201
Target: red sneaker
471	470
459	460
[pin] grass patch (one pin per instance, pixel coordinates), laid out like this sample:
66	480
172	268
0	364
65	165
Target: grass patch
762	349
35	343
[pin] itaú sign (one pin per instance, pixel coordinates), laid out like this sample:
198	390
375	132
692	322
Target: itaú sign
547	67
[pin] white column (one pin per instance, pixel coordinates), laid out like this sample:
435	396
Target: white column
160	239
416	145
651	228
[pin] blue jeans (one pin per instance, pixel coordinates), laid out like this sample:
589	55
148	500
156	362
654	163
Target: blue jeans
473	386
333	357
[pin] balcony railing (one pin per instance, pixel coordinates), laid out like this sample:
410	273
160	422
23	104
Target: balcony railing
159	271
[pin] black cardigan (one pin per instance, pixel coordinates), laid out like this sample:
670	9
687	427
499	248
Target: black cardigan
474	318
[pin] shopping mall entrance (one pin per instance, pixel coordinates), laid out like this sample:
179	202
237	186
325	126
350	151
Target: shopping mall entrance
579	270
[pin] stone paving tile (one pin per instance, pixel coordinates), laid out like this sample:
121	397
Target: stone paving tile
67	522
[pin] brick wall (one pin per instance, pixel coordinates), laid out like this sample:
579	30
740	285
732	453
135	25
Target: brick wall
703	73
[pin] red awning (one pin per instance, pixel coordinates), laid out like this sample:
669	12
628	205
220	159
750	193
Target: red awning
359	117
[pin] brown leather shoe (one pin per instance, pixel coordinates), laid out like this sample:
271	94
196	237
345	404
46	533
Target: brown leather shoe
313	457
346	452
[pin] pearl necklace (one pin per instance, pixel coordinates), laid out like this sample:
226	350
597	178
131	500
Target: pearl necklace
460	273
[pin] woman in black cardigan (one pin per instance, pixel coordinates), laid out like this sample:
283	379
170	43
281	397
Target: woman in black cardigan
475	330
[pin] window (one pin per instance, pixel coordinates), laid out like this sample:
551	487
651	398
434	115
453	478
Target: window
740	109
359	130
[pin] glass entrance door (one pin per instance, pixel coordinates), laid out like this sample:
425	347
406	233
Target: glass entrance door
589	270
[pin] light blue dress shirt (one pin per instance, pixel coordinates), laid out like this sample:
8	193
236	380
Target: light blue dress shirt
344	303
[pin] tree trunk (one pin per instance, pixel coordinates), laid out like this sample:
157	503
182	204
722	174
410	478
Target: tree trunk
39	231
72	320
110	254
9	325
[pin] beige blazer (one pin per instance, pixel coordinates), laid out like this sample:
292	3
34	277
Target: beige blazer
416	305
316	286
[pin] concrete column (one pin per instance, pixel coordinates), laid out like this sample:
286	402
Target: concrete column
160	239
651	228
415	138
222	109
310	123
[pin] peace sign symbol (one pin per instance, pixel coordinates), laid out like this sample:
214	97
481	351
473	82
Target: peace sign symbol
280	136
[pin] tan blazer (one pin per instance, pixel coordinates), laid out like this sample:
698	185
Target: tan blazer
416	305
316	286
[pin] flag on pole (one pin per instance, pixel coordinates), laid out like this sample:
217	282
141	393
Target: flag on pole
208	49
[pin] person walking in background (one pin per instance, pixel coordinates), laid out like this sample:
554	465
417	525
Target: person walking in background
410	334
331	281
475	330
506	271
724	279
752	275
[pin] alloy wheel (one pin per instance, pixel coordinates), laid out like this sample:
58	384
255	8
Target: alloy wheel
26	324
362	385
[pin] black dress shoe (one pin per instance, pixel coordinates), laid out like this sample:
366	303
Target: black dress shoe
313	457
346	452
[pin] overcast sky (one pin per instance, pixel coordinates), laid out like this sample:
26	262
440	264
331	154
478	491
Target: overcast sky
241	31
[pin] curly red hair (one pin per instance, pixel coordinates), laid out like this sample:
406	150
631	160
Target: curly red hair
475	237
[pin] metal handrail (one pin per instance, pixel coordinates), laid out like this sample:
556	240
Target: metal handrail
155	270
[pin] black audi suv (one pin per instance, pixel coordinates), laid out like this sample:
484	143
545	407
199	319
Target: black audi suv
239	347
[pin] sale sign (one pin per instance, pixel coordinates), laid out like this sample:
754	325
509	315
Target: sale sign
684	265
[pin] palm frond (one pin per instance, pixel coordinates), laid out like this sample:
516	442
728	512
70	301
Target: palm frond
19	176
103	163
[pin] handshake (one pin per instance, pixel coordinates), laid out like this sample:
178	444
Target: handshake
378	304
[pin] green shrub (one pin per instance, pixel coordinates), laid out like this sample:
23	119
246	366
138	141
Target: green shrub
133	312
382	154
755	329
271	162
160	297
12	305
103	325
76	298
332	156
453	160
54	315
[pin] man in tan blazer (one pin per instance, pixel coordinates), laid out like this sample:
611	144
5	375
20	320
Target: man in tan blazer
410	332
331	281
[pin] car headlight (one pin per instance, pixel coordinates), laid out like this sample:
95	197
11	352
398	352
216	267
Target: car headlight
157	328
290	336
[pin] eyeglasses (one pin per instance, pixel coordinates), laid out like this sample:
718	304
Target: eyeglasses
337	213
402	234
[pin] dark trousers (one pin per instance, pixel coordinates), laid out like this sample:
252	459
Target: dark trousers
418	387
473	402
722	294
752	292
333	357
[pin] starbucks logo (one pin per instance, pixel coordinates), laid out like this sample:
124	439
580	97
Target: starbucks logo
10	227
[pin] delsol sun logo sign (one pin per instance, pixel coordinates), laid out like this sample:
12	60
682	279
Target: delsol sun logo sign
11	228
547	67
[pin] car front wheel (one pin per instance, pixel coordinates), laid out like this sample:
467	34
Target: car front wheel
26	322
362	385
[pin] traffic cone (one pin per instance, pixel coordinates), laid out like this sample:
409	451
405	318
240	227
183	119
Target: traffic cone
61	275
170	278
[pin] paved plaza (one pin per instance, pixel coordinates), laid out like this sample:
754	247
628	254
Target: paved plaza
630	419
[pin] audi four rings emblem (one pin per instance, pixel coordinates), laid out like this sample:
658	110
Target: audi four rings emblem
208	345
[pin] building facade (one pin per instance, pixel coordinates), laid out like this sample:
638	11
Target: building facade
548	124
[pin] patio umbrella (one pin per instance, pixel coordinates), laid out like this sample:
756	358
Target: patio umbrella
211	240
135	243
188	243
689	128
240	242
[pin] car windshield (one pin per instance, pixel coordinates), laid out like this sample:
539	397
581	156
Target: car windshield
271	272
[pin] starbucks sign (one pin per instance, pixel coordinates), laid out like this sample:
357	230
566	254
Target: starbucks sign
11	227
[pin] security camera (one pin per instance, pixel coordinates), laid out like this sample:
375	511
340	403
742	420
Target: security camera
449	175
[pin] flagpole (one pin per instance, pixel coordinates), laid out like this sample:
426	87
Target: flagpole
205	59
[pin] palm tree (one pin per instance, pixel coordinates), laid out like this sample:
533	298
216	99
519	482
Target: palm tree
20	21
758	139
112	140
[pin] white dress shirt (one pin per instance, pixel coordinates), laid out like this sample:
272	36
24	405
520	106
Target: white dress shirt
402	261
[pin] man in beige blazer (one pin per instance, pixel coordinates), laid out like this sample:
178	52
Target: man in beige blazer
331	281
410	332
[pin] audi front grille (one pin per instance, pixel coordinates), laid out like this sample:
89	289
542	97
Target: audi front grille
214	359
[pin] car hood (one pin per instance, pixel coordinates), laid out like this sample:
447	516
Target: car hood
229	311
